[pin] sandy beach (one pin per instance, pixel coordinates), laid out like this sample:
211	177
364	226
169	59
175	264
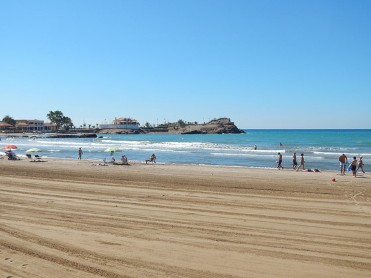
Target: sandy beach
69	218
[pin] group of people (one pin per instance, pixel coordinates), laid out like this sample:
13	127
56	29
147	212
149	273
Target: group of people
294	162
354	166
124	159
11	155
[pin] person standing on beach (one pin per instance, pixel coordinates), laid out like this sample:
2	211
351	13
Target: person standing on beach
294	162
343	163
279	162
301	162
80	152
360	164
353	166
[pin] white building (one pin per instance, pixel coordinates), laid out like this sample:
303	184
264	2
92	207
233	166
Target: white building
121	123
35	126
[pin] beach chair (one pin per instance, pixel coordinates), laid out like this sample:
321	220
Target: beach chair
37	157
11	155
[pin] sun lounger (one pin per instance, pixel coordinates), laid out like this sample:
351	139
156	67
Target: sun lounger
37	158
11	155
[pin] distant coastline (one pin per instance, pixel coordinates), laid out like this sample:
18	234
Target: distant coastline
217	126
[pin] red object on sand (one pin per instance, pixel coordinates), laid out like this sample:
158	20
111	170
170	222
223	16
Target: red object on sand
333	179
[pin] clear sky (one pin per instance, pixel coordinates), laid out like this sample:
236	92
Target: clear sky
263	63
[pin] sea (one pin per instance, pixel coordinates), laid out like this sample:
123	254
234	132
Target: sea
321	148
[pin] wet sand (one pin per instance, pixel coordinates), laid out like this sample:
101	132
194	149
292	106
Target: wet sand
64	218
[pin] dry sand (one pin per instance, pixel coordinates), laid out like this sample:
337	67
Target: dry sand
73	219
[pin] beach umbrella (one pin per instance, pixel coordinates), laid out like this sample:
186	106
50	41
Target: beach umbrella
112	149
33	150
10	147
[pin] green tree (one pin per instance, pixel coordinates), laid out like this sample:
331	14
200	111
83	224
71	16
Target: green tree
60	120
9	120
181	123
147	125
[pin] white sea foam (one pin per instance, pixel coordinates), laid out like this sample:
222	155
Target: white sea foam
243	154
327	153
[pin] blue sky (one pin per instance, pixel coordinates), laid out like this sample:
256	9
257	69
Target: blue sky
264	64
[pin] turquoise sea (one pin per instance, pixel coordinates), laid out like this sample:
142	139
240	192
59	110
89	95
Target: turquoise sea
321	148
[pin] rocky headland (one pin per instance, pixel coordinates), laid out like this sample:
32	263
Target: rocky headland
217	126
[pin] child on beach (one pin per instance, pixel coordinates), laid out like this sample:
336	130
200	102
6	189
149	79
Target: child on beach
354	166
124	159
151	159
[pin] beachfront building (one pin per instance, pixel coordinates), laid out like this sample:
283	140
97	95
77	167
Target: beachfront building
121	123
6	126
35	126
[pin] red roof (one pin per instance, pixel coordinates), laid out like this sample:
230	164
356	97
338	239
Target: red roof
4	124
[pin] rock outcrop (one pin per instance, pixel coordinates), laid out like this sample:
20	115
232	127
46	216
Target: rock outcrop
218	126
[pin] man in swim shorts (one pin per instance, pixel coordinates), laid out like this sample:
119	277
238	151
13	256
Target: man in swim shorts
279	161
343	163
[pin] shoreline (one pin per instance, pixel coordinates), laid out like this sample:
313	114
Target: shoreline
142	162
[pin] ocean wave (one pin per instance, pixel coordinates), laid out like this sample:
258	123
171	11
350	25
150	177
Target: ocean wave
262	151
327	153
243	155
